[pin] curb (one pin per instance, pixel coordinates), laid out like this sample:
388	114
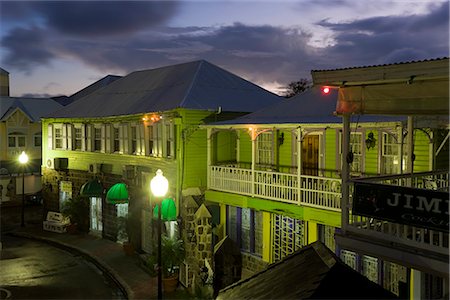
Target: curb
105	268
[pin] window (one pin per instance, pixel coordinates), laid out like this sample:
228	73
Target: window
116	136
16	140
37	139
78	139
133	140
288	236
390	154
264	143
245	228
58	138
170	141
326	236
356	149
97	139
151	141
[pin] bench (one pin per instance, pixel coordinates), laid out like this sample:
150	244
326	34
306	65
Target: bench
55	222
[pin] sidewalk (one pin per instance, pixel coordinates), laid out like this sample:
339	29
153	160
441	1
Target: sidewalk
107	255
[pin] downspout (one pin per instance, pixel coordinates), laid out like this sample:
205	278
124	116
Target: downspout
299	163
345	172
208	157
254	136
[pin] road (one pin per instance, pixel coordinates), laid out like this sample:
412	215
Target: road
36	270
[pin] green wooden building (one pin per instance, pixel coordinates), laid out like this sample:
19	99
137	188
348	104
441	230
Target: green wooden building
125	131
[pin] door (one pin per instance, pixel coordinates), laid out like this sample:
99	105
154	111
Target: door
96	223
310	155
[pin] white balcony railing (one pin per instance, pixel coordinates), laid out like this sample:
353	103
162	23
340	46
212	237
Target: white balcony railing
315	191
422	238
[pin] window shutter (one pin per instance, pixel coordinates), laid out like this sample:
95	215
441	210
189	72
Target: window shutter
108	133
146	146
126	140
103	142
50	136
83	137
121	143
141	139
89	137
69	136
155	140
64	136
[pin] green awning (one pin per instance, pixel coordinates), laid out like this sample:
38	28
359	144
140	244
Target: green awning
117	194
168	211
92	188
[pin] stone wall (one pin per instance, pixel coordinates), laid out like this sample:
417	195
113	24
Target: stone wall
252	264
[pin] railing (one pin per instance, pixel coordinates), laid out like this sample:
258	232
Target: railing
315	191
409	235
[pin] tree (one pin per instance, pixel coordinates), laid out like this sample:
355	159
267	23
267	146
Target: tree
296	87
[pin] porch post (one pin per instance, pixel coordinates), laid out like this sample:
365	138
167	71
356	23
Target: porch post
254	136
299	163
208	156
410	165
345	172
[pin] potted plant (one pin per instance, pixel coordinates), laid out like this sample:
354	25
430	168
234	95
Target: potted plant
77	209
172	256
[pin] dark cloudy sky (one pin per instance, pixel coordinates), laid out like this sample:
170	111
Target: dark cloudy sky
59	47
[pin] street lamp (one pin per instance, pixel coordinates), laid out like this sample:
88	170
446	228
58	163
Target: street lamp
23	159
159	186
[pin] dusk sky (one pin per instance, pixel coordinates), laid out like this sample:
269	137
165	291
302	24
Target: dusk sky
59	47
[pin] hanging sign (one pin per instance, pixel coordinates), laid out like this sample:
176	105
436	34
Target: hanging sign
403	205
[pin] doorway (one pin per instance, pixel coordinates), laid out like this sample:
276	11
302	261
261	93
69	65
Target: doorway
96	222
310	155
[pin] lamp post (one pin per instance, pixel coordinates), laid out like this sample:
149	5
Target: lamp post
159	186
23	159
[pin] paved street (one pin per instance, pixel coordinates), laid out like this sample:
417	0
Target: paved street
35	270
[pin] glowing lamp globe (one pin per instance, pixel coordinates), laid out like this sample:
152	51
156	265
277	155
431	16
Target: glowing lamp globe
159	184
23	158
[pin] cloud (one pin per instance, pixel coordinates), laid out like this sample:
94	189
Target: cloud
383	39
264	54
27	47
92	18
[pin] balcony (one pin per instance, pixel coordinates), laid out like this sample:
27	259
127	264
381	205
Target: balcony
427	247
314	191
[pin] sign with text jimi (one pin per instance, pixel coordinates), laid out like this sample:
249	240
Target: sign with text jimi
403	205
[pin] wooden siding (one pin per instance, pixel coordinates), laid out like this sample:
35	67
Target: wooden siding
285	150
225	145
422	151
245	147
371	155
194	147
332	161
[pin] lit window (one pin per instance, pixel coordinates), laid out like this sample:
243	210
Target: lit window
78	138
97	139
58	138
133	140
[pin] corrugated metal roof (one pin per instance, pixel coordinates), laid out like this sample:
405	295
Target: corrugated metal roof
194	85
383	65
34	108
313	272
309	107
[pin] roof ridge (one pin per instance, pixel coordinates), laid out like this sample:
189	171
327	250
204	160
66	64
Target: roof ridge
194	79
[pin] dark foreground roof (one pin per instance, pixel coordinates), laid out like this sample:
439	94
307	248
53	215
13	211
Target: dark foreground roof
194	85
310	107
313	272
